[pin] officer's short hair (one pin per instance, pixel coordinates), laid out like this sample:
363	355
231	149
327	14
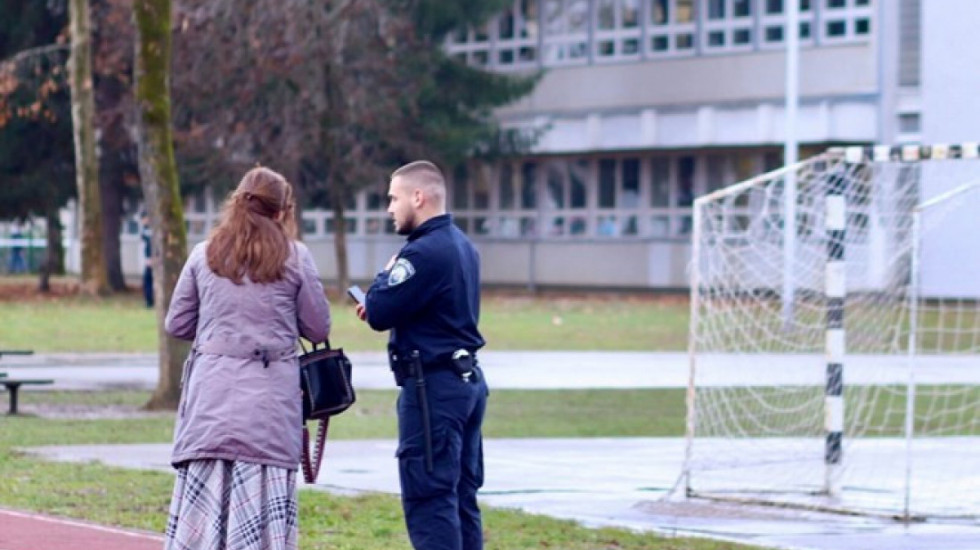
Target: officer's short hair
421	172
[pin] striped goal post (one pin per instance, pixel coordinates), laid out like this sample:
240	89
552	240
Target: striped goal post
831	354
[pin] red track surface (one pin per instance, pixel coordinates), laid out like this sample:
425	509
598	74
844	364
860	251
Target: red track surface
29	531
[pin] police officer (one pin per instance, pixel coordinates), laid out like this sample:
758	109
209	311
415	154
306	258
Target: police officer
146	234
428	296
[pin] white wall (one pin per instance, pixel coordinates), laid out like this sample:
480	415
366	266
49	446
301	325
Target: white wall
845	70
949	257
950	73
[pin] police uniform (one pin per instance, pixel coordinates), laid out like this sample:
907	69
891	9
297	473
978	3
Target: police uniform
430	300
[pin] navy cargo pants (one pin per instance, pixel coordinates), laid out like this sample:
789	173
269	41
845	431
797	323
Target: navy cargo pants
440	507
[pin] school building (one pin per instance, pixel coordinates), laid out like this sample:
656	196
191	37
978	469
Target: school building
646	104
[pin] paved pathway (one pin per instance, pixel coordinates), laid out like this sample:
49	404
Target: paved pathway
544	369
609	481
599	482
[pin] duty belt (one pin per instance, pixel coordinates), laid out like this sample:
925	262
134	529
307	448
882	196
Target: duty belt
245	351
403	367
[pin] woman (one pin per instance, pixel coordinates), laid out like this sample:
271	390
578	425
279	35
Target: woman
244	297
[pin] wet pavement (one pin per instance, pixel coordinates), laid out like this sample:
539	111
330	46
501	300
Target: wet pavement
621	482
598	481
543	370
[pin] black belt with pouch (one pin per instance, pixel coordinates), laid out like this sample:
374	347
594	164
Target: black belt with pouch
462	363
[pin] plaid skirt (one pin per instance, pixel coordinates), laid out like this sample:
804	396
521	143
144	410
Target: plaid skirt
227	505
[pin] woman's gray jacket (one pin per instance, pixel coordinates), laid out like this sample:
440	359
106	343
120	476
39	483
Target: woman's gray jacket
240	397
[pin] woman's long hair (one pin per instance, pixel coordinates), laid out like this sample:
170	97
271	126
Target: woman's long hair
254	237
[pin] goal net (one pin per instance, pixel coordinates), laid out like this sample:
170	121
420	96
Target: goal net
835	335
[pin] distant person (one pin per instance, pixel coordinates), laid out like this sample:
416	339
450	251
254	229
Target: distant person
244	297
146	234
16	263
428	296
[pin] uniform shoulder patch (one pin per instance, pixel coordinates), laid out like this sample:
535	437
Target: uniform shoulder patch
400	272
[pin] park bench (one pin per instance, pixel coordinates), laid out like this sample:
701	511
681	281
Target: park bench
13	384
15	352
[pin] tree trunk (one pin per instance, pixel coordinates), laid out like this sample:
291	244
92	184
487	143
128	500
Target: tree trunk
158	173
339	232
54	252
94	277
111	227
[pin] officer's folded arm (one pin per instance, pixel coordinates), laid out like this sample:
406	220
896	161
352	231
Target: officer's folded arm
394	298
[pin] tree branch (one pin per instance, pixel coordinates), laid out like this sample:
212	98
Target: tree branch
10	62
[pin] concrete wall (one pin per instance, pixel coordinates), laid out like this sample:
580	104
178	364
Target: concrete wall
602	264
827	71
950	79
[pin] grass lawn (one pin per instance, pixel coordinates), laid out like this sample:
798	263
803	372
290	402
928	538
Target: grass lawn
370	522
509	321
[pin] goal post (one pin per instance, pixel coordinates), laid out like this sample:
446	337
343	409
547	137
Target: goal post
860	398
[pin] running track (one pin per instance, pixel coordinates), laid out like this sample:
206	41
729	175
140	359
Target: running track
29	531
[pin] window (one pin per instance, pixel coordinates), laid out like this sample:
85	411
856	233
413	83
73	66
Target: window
607	183
460	187
546	33
309	226
774	34
529	196
509	41
617	32
660	183
565	198
717	172
716	9
517	206
517	35
659	12
566	31
685	190
772	21
670	27
728	25
619	197
846	21
506	187
909	123
471	46
376	219
350	225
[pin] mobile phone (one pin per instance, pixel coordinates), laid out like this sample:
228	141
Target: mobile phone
356	294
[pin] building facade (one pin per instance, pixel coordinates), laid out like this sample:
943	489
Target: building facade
646	104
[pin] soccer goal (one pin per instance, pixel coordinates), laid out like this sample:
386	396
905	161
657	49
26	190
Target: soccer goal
835	335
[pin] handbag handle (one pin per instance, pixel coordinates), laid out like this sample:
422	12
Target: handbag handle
312	459
311	468
325	343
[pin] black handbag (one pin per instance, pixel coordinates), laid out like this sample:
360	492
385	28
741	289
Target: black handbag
325	380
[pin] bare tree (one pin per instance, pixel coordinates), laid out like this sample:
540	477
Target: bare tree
310	88
158	173
334	93
93	274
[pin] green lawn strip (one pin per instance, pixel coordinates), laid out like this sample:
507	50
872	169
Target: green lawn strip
123	324
140	499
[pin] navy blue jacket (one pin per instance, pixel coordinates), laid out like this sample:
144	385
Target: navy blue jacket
430	298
